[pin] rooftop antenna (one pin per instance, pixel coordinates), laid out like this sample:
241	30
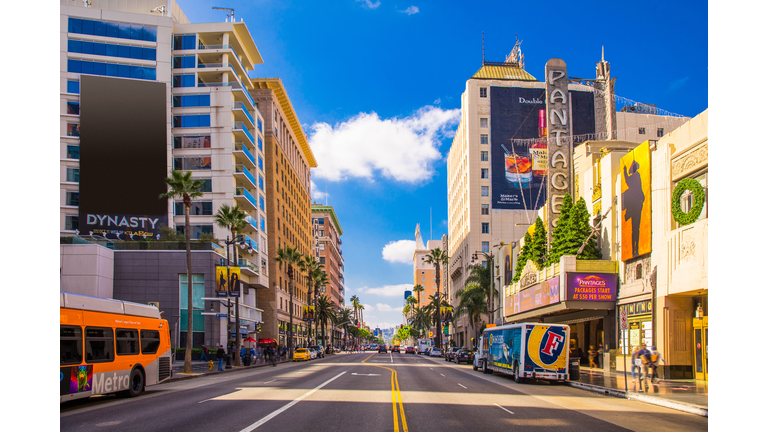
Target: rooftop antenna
230	14
483	48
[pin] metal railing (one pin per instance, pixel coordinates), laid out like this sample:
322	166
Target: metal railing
239	168
241	106
244	193
240	147
244	128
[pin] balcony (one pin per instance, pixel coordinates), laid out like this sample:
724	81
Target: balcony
242	134
242	93
244	156
247	267
244	177
248	240
242	114
251	226
245	199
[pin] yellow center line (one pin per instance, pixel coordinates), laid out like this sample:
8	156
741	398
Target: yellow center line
395	395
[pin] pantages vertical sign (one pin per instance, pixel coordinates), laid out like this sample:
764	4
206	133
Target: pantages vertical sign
559	139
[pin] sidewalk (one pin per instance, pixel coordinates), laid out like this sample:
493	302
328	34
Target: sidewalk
686	395
201	367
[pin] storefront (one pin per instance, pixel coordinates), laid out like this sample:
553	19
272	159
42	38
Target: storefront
640	320
581	294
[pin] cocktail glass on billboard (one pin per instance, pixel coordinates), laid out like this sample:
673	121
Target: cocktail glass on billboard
518	168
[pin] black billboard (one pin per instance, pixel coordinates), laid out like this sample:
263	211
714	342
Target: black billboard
518	179
123	153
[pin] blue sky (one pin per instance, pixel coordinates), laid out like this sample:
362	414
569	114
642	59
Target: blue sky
377	86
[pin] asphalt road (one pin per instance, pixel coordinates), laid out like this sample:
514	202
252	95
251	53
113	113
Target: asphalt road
367	392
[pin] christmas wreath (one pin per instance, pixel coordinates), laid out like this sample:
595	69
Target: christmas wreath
699	195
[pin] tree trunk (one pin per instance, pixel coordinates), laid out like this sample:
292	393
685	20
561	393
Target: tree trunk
290	313
188	351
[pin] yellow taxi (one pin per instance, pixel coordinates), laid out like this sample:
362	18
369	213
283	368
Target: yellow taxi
301	354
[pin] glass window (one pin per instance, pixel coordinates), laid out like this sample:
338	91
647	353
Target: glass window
660	132
484	209
73	108
194	141
73	198
183	62
124	31
196	231
258	123
262	223
485	227
192	163
127	341
112	29
99	345
484	156
261	182
486	246
484	139
207	185
73	175
73	87
186	42
150	341
322	260
641	131
261	163
75	25
73	152
483	92
261	203
483	122
71	223
260	144
484	191
484	173
150	34
186	80
202	120
198	208
71	345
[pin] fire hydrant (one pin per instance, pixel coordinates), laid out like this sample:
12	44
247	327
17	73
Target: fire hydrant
210	365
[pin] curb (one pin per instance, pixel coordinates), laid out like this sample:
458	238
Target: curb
233	369
689	408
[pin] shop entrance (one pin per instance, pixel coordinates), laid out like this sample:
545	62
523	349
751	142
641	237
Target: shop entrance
700	348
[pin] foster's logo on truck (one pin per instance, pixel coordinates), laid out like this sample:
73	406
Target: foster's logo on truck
546	347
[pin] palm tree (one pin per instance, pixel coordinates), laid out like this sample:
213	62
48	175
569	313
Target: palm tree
418	289
437	257
182	186
290	257
481	275
472	302
319	279
355	301
345	318
432	310
324	309
233	219
420	319
407	310
311	266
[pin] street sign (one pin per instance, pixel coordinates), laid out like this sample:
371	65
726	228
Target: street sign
623	319
221	315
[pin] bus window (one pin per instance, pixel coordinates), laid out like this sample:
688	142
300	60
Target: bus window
127	341
71	345
99	345
150	341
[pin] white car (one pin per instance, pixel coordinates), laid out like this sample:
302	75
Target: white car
312	354
435	352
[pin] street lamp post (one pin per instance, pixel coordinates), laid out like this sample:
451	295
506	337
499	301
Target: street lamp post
238	341
490	256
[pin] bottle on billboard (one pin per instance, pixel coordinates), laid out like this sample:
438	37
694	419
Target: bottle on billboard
518	169
539	149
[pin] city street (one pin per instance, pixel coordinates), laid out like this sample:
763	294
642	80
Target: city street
367	392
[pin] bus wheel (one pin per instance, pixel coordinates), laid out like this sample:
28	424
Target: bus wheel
136	383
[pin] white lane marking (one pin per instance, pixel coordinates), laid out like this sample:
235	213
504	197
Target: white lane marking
461	385
443	375
504	408
203	401
357	374
431	369
270	381
290	404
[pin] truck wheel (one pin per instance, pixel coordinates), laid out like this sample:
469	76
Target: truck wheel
518	378
485	368
474	367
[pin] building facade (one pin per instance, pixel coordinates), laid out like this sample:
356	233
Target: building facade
140	82
327	250
288	160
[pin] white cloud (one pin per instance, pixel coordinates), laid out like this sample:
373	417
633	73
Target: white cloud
369	4
387	290
387	308
411	10
402	149
437	101
317	194
400	251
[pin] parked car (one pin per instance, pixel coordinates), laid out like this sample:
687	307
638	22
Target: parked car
383	349
319	349
301	354
312	353
435	352
410	350
449	353
396	349
463	355
336	349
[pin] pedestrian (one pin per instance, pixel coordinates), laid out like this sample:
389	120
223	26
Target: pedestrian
645	360
600	352
204	355
635	362
221	355
592	355
243	352
258	353
656	357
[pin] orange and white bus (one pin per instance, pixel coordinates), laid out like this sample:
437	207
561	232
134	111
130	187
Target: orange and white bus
111	346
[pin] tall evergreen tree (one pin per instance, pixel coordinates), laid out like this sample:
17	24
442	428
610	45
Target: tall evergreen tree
556	249
538	251
523	256
581	223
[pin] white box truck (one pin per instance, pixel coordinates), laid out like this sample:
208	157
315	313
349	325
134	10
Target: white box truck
423	346
525	350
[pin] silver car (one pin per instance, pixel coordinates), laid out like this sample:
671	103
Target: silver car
435	352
